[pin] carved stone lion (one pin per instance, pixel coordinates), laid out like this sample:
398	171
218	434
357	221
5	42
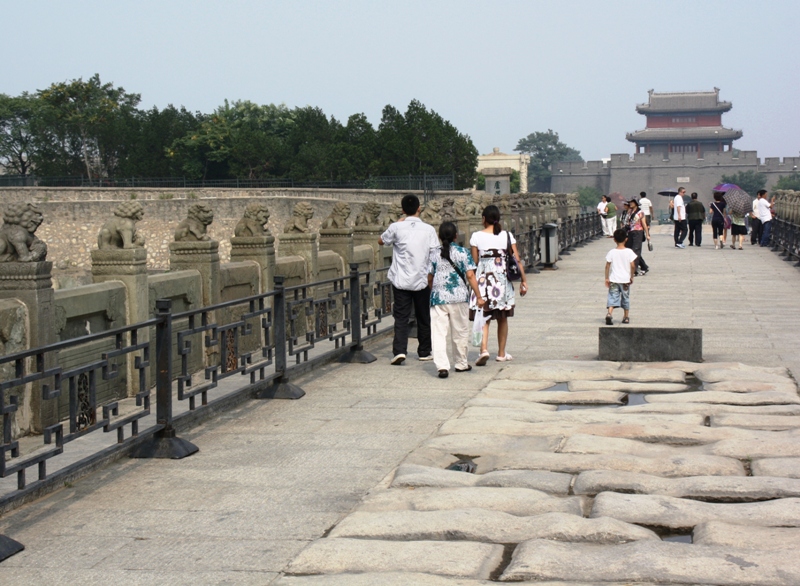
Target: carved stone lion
448	209
17	240
338	216
475	205
369	215
193	228
394	214
430	213
252	223
301	214
460	207
120	231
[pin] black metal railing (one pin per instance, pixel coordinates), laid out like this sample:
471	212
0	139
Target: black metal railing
424	182
248	347
785	239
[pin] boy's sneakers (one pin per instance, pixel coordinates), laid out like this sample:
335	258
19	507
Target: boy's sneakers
397	360
609	321
427	358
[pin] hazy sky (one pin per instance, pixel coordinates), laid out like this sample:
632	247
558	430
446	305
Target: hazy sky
498	70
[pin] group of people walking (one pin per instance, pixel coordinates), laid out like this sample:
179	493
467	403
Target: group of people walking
446	286
634	221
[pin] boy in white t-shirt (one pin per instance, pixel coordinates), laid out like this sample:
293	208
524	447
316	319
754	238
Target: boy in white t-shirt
620	268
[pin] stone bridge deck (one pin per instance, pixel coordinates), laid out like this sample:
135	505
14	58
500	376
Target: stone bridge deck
351	477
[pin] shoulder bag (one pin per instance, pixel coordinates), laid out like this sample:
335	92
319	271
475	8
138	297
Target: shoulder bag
513	272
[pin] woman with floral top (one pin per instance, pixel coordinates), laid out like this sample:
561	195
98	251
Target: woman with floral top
450	278
490	248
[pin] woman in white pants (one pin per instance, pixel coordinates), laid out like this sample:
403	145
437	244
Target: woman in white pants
450	278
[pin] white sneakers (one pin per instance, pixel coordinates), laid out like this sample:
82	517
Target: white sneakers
398	359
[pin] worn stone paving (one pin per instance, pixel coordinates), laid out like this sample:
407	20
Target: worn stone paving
668	473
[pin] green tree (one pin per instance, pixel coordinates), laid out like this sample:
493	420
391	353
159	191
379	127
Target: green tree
480	181
788	182
18	119
544	148
88	120
750	181
515	181
589	196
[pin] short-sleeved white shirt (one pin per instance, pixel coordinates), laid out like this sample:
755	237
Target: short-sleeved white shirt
601	207
413	242
620	259
763	210
483	241
679	204
645	205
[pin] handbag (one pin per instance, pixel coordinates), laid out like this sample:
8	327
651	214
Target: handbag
649	246
727	222
513	272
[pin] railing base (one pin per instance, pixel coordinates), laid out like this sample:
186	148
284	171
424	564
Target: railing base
9	547
281	390
172	448
357	355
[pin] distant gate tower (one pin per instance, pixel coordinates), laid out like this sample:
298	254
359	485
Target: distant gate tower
686	122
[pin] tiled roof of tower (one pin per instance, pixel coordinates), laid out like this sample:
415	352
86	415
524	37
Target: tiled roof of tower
684	102
712	133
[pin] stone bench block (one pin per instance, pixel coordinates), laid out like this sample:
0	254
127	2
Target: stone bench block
716	488
409	475
730	535
676	513
515	501
650	562
337	556
629	344
486	526
576	463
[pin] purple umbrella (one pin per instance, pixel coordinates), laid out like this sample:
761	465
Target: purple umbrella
723	187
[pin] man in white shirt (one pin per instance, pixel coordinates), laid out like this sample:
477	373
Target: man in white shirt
413	242
679	217
756	228
765	215
646	206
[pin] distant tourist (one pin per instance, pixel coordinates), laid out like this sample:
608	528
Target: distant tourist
756	228
679	217
620	268
765	215
611	217
490	250
647	207
738	229
696	215
718	230
451	277
602	209
413	244
638	231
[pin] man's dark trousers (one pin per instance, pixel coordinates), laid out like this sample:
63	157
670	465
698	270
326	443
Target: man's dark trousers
695	232
766	229
680	231
757	229
404	302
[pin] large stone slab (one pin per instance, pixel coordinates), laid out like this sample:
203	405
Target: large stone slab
691	367
478	444
676	513
650	561
577	398
380	578
530	386
673	433
577	416
575	463
750	386
486	526
515	501
777	444
713	374
481	401
650	344
408	475
592	444
757	398
787	467
711	409
740	536
753	421
566	372
336	556
626	387
710	488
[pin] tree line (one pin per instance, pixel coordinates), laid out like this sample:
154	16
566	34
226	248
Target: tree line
95	129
